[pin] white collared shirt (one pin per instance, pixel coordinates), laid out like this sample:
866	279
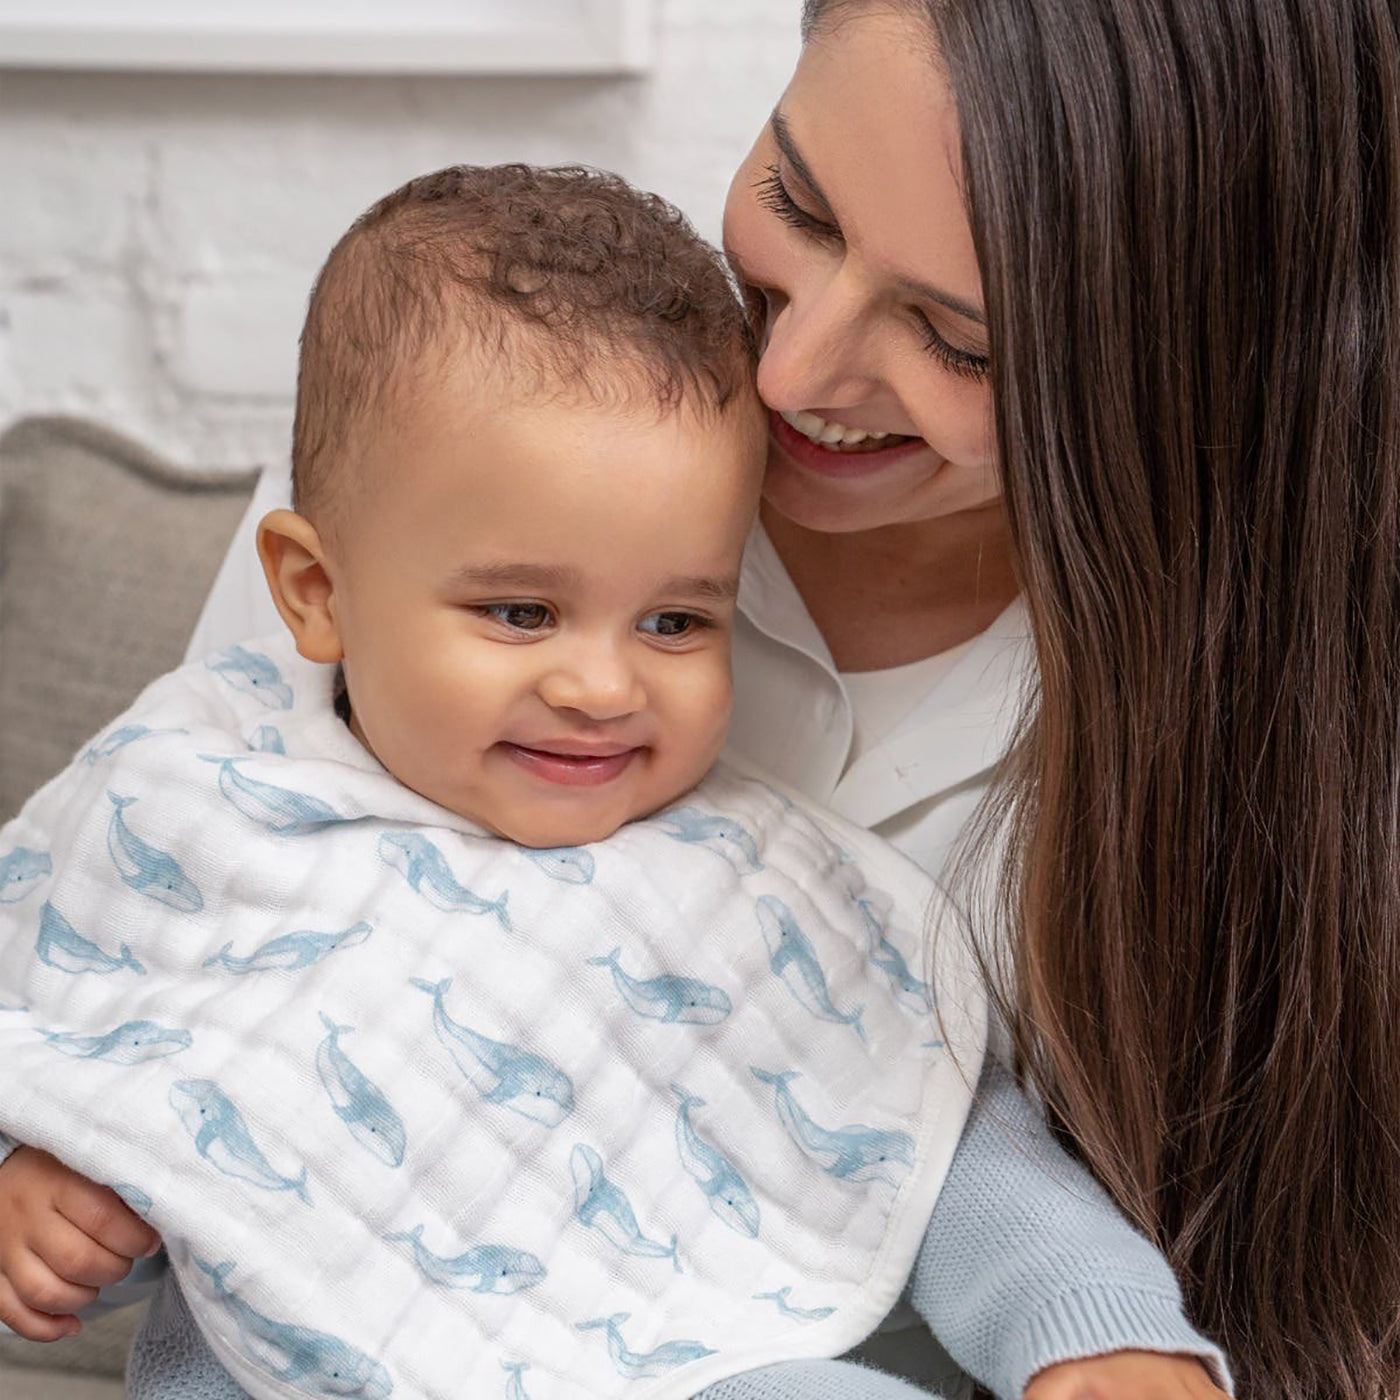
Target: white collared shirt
917	786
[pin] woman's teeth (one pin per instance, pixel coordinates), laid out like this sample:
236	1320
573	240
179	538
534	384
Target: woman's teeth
824	431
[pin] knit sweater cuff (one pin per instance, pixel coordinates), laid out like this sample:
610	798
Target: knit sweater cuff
1098	1321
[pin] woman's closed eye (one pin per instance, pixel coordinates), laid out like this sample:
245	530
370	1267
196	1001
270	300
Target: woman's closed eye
966	363
775	196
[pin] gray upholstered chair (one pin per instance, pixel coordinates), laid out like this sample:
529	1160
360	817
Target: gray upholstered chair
106	554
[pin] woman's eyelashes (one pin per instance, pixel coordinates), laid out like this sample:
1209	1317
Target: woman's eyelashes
962	362
774	195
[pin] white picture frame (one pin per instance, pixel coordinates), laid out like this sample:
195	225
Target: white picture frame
520	37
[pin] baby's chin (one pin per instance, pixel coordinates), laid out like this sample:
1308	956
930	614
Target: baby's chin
547	831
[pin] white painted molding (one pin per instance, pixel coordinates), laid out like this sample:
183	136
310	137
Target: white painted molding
519	37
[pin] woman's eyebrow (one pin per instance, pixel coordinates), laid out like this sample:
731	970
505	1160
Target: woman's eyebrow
782	134
955	304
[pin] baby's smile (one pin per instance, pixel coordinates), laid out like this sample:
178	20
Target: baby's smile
573	762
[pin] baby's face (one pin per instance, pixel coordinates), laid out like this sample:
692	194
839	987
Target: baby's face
536	602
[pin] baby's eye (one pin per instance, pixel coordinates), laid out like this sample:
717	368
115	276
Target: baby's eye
672	624
521	617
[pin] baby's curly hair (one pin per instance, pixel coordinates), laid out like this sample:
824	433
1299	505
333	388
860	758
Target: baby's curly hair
559	281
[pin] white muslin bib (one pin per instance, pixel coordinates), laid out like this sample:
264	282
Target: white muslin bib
422	1113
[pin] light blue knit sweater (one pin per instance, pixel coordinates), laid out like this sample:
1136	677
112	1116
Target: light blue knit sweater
1025	1263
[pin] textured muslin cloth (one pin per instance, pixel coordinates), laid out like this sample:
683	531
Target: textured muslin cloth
415	1108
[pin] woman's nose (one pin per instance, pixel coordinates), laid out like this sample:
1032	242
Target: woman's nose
597	681
817	353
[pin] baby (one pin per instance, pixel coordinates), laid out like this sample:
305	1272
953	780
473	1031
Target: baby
459	832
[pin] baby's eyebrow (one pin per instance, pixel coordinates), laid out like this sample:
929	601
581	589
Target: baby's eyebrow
720	590
509	575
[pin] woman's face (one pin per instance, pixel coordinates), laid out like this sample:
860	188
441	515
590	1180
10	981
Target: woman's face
847	219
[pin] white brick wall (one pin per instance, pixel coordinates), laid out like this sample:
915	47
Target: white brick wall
159	234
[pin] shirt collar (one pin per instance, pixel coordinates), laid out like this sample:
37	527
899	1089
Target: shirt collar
770	600
960	730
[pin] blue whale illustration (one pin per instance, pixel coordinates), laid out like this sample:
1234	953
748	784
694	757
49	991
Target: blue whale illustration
5	1006
291	951
222	1138
485	1268
571	864
254	674
156	874
601	1205
427	872
636	1365
794	960
722	835
120	738
515	1385
134	1197
854	1153
283	811
729	1197
525	1083
788	1310
129	1044
668	998
314	1362
908	990
20	871
358	1103
267	738
61	946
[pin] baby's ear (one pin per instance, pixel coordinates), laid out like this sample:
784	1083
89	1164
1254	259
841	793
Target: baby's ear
295	563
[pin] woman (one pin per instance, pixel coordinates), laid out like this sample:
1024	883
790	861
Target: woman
1119	282
1143	257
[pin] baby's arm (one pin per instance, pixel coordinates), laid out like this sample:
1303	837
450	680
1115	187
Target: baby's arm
1027	1264
62	1239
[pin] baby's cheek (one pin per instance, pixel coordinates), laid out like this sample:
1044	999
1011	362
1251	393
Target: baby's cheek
709	704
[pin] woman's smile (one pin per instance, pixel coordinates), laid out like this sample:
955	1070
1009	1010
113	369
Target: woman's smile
864	457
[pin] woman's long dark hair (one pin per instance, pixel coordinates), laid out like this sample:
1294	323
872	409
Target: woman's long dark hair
1187	215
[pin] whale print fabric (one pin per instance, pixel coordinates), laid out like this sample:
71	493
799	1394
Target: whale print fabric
421	1114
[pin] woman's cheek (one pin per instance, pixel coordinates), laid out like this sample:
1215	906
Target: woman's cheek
954	416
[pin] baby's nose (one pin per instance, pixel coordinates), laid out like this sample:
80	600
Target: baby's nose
597	683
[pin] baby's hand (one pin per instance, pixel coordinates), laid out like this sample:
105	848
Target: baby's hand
1126	1375
62	1239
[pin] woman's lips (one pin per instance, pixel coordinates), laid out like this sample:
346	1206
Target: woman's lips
827	461
572	769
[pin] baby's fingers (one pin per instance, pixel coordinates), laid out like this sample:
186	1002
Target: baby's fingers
26	1322
38	1289
78	1258
102	1216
